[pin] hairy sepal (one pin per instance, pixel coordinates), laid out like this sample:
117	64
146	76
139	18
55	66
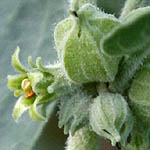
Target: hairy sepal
80	46
110	117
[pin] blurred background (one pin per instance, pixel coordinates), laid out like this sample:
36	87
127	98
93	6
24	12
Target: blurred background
30	24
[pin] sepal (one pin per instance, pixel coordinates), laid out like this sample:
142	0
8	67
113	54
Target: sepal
16	62
110	117
21	106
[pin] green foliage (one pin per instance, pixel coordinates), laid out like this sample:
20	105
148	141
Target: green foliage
139	93
140	138
135	52
129	6
124	40
74	111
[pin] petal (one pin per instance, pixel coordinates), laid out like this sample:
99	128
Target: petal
18	93
21	106
33	110
46	99
16	62
14	82
31	63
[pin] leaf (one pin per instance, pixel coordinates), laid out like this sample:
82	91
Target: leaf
74	111
140	138
16	62
139	93
28	24
21	106
128	38
127	70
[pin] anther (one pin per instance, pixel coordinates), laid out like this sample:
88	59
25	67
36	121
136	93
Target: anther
26	85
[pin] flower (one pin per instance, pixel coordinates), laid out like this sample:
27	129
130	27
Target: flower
30	86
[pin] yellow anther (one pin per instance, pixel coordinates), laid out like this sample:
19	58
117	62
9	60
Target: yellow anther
26	85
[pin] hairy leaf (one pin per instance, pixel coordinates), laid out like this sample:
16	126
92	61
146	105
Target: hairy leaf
127	71
74	110
139	93
130	37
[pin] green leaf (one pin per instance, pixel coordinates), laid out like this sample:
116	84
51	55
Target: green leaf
74	112
28	24
128	38
21	106
139	93
16	62
127	70
140	138
130	6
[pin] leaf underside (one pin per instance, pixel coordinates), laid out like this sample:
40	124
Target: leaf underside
74	111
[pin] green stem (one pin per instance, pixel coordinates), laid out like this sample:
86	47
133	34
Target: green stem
76	4
129	6
84	139
101	87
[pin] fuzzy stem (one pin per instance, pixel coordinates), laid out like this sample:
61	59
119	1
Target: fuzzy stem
84	139
76	4
101	87
129	6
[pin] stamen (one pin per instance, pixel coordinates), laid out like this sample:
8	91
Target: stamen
26	85
29	94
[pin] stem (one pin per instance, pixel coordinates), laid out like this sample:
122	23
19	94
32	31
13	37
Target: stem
102	87
129	6
76	4
84	139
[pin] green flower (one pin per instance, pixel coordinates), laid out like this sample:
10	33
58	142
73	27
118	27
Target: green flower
31	85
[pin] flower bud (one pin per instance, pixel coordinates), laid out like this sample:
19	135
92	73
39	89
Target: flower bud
111	118
77	39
